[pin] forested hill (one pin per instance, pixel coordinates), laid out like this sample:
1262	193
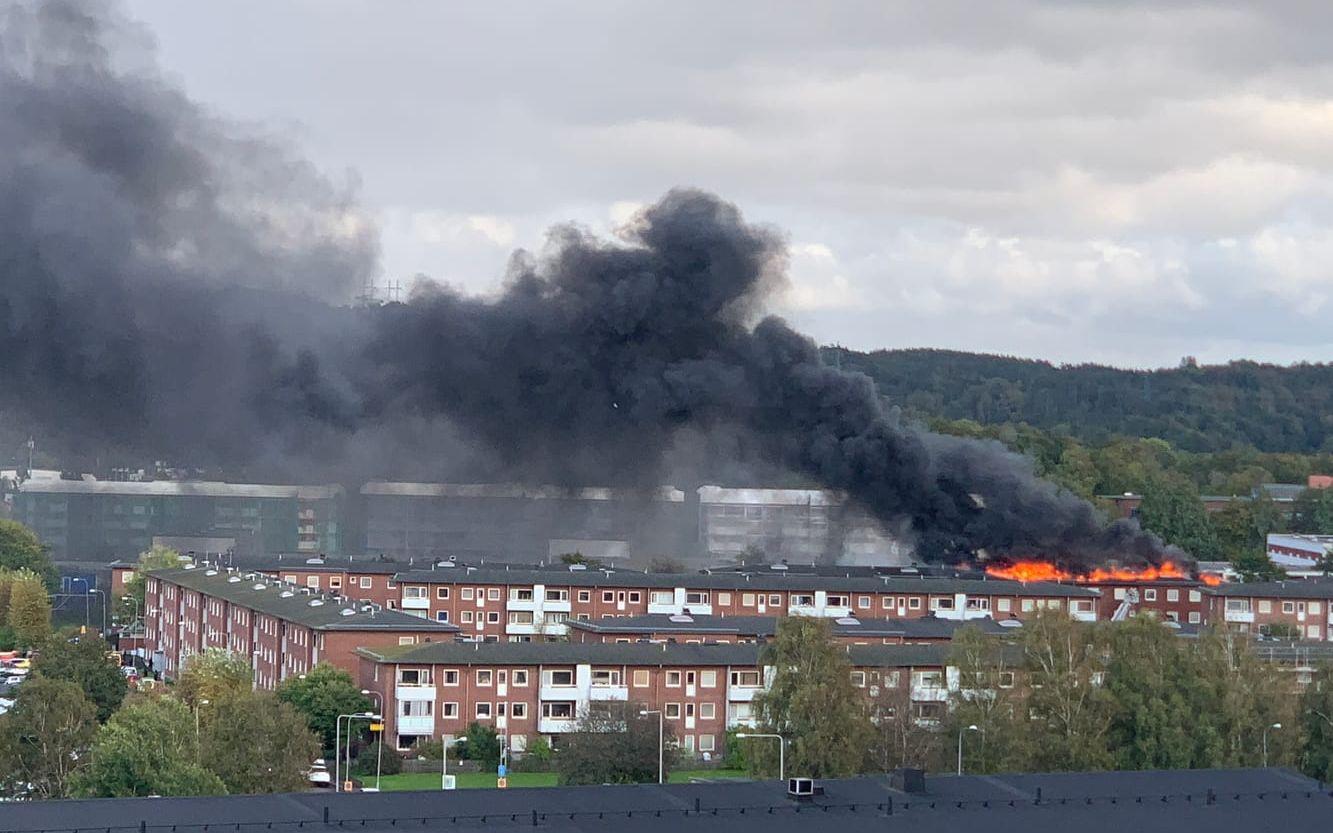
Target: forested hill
1209	408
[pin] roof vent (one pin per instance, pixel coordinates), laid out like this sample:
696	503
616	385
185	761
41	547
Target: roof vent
314	561
286	594
210	572
234	579
260	585
681	617
189	566
847	620
347	611
908	780
574	568
803	788
446	564
784	567
315	602
1010	623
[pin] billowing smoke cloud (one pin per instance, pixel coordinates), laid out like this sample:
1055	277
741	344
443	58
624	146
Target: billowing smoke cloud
158	281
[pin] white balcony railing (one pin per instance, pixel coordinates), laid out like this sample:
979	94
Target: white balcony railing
407	691
416	604
609	692
556	726
1240	616
416	725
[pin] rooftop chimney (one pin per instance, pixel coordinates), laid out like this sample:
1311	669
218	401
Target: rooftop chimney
908	780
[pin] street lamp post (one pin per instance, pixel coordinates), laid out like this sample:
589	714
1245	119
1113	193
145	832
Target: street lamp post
972	728
346	768
1266	728
782	745
102	593
86	595
661	735
197	708
379	748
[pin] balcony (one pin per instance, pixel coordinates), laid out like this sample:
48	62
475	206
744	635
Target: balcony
407	691
743	694
699	609
1083	615
840	612
556	606
1240	615
416	604
416	725
930	694
523	604
609	693
802	610
664	607
558	692
556	726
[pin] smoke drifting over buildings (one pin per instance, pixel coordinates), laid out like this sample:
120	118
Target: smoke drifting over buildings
169	284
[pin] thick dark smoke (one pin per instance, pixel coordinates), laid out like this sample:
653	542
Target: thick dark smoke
158	281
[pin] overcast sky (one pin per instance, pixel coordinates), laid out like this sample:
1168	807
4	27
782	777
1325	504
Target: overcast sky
1108	182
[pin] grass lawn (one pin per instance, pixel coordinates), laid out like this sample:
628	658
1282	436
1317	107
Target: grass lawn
486	780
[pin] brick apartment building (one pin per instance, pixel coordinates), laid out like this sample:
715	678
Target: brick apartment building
1171	600
525	690
284	629
1300	609
523	604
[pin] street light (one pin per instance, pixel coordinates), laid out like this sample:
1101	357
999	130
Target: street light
379	748
972	728
782	744
661	772
86	596
102	593
337	744
197	707
1266	728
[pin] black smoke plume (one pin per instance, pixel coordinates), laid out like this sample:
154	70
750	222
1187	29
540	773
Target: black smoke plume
168	286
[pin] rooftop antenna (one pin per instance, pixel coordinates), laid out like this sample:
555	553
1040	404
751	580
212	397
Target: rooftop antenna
394	291
367	296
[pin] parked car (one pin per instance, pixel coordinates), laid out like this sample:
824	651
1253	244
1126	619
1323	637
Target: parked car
319	774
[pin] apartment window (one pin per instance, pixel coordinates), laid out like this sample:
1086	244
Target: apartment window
1150	594
414	676
1196	596
335	582
838	600
1265	606
928	679
941	603
673	679
661	597
520	617
673	711
745	679
441	592
559	710
802	600
887	603
1080	606
859	679
706	743
1288	607
485	677
413	591
416	708
1029	605
519	711
863	602
608	597
1173	595
978	604
635	597
774	600
493	617
467	617
914	603
391	584
1006	679
1002	605
367	582
441	616
449	710
696	598
483	710
407	640
747	600
585	595
289	579
493	594
557	595
605	677
707	711
520	677
450	677
1314	607
689	710
1194	617
708	679
1118	594
560	678
312	582
640	679
467	594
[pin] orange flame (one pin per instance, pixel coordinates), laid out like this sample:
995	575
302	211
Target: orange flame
1033	570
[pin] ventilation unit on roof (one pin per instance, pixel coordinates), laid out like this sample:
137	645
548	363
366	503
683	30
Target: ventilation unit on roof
260	585
777	567
234	579
1010	623
847	620
681	617
314	561
315	602
445	564
189	566
347	611
210	572
574	568
286	594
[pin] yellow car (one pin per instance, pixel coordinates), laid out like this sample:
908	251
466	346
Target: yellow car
21	663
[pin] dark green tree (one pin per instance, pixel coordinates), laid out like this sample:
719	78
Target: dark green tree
256	743
1312	512
1171	508
214	675
614	744
813	704
44	739
1068	709
322	694
372	759
985	698
149	747
480	743
1317	725
86	662
20	549
131	602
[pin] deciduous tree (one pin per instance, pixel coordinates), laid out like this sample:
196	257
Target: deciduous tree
44	739
20	549
149	747
85	661
325	692
1068	709
29	610
214	675
614	744
256	743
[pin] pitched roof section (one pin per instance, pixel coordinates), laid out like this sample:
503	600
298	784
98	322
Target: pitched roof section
925	627
319	611
741	582
181	488
1313	589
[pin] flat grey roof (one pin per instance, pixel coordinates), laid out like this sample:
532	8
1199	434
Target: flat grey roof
925	627
173	488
